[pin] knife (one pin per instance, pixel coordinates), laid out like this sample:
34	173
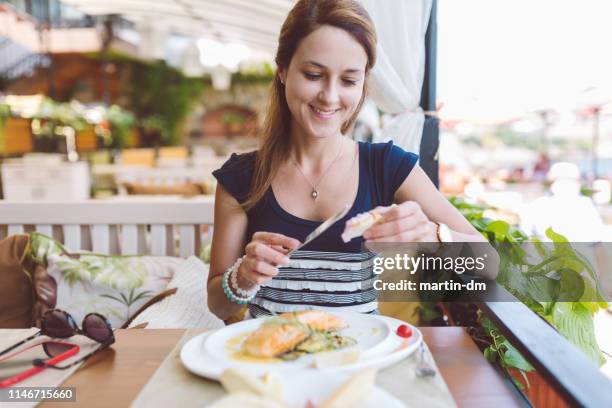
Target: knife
323	227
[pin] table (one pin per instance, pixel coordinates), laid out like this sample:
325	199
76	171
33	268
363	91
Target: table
116	376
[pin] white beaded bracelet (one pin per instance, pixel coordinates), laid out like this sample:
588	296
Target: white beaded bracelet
234	280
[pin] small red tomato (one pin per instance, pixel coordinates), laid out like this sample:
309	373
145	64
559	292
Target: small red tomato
404	331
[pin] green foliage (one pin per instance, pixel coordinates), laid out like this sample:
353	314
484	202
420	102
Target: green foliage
258	75
557	272
162	97
230	118
54	114
121	122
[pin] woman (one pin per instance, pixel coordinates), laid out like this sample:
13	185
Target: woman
307	169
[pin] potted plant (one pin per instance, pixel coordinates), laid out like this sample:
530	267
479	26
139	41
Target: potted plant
558	273
48	123
117	126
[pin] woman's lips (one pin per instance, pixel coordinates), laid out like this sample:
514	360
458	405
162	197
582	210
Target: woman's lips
323	113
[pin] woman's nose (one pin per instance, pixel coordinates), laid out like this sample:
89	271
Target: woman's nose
329	93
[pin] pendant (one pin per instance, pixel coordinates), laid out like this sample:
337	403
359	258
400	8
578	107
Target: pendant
314	194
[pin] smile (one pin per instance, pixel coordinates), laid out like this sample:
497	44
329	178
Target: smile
323	113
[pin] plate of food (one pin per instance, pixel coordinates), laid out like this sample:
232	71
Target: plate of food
290	342
292	336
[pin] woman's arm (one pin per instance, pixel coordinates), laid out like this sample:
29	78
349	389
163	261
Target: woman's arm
421	205
263	254
230	226
418	188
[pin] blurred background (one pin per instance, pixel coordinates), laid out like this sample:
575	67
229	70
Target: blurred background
134	97
509	104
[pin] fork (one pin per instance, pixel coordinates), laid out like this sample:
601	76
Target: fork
423	368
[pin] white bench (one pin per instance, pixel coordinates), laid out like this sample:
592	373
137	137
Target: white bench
174	227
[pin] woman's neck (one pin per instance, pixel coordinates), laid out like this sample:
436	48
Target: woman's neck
315	154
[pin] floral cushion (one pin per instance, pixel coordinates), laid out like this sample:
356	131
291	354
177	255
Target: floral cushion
187	308
114	286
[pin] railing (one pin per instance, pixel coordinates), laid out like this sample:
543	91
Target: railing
572	375
133	227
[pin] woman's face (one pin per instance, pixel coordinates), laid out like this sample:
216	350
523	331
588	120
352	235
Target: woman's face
324	81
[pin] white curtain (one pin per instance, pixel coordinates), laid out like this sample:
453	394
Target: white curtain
396	80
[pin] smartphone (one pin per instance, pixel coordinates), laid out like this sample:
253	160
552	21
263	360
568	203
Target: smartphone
18	365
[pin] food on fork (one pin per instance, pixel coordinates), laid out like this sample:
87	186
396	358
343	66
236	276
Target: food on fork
312	330
356	226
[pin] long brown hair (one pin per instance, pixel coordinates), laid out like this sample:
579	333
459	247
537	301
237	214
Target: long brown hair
305	17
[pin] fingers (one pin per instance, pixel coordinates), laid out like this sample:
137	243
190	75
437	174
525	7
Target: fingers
264	254
394	227
397	220
280	249
412	235
272	238
257	271
261	251
400	223
395	212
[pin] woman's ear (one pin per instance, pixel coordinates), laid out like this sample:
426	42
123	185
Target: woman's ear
282	75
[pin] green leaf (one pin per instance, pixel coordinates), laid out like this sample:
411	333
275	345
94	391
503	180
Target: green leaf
575	323
112	297
554	237
500	229
571	285
513	358
141	295
490	354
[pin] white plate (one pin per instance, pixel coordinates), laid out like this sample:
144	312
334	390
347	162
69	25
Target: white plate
200	357
371	333
317	387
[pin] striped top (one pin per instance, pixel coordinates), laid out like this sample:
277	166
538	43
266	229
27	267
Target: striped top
320	280
327	273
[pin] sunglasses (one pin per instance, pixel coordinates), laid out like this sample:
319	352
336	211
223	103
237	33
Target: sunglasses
59	324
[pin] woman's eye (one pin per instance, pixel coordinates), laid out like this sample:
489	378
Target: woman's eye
349	82
311	76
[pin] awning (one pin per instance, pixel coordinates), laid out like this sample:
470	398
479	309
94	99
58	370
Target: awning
252	23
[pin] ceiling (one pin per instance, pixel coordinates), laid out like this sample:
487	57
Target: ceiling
254	23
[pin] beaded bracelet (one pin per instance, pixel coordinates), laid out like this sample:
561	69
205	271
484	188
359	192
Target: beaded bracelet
236	288
240	300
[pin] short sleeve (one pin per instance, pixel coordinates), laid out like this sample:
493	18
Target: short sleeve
236	175
392	165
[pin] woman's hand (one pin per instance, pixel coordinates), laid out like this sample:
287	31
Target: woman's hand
263	255
405	222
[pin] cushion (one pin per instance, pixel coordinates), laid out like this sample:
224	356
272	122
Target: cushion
188	307
114	286
185	189
16	293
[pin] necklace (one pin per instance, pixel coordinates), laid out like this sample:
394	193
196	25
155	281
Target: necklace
315	193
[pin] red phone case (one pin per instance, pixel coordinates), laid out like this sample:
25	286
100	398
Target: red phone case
35	370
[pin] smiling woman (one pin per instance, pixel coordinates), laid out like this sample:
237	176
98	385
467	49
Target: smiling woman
306	169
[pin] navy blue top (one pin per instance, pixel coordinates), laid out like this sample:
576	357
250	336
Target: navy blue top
382	169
